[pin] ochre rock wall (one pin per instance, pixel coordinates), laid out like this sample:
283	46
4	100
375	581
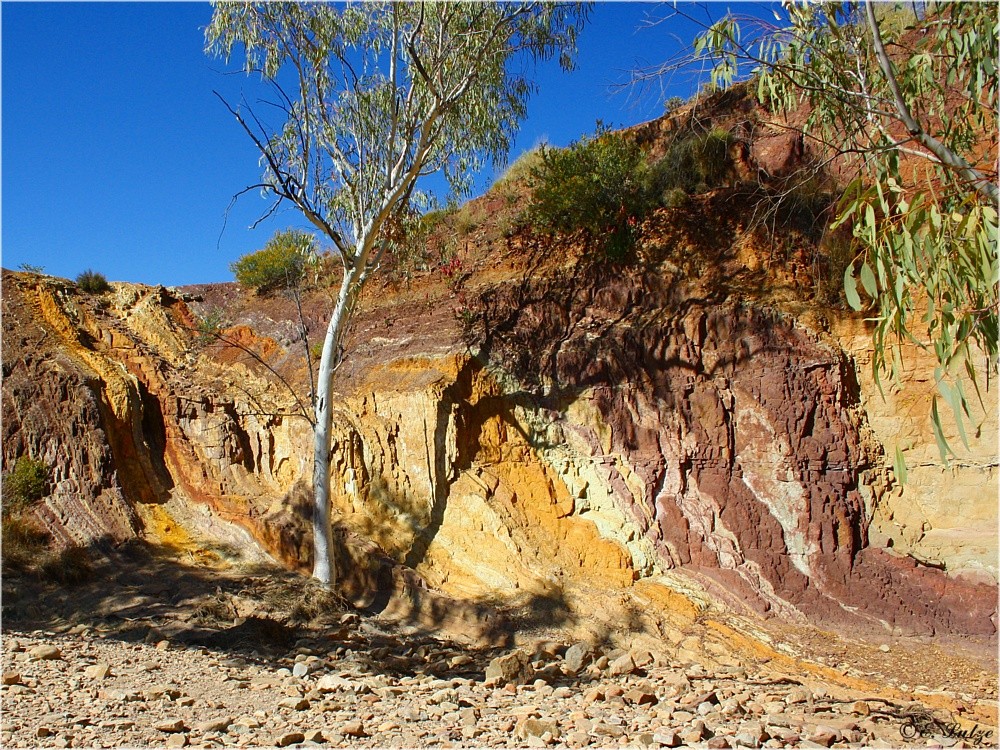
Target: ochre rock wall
596	429
943	516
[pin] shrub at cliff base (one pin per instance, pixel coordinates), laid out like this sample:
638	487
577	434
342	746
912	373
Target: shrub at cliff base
25	544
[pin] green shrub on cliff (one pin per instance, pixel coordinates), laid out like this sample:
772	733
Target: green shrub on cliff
25	484
598	185
92	282
280	264
695	163
24	542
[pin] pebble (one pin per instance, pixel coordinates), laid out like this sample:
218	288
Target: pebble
170	725
98	671
353	728
289	738
45	652
621	666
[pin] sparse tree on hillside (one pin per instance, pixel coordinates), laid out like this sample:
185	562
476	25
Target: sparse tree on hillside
373	98
908	94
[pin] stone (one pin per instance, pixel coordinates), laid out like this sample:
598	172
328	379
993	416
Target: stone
446	695
640	697
213	725
314	735
621	666
161	691
11	678
289	738
530	727
642	658
607	730
510	669
353	728
98	671
695	734
329	683
799	695
719	743
301	669
824	736
296	704
669	738
44	652
576	657
170	726
177	740
861	708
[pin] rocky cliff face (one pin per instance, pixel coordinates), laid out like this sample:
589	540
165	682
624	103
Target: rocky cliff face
548	429
596	429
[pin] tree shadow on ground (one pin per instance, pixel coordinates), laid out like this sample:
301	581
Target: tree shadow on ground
267	615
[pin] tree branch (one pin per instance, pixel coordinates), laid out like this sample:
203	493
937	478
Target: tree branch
945	155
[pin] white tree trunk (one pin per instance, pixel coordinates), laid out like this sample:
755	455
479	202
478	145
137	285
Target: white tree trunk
324	565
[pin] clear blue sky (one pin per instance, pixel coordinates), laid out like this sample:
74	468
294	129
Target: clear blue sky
117	157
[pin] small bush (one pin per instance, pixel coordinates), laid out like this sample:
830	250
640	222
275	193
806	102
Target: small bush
675	198
92	282
598	185
466	219
68	566
672	104
695	163
24	541
210	325
521	168
26	483
281	264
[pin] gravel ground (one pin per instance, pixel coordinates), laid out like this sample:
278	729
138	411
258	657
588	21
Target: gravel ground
377	688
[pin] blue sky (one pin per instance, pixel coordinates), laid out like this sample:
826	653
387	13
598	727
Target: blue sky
117	157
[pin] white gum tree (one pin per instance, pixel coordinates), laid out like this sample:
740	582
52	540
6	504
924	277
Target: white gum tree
373	97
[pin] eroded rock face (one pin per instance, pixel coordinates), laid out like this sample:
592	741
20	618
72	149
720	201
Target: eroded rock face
110	394
600	428
944	517
731	438
54	410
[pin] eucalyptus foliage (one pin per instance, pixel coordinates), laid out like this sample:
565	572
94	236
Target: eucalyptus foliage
911	102
373	98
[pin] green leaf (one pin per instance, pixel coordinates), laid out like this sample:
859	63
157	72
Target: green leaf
868	280
899	466
942	444
851	288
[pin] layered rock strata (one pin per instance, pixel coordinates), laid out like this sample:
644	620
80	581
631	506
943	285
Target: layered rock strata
593	428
